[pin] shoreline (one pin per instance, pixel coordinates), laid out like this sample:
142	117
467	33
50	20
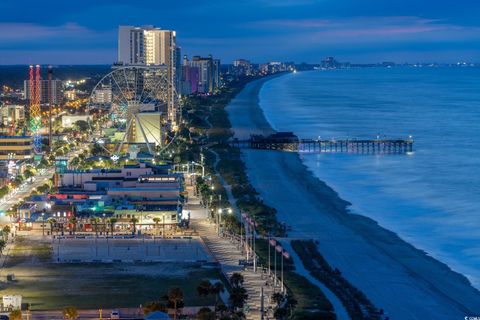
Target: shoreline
405	278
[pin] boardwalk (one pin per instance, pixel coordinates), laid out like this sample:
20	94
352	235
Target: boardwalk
228	255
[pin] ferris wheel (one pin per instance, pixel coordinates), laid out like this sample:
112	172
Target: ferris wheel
135	108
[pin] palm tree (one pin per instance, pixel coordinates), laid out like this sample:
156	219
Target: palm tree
204	288
15	315
134	221
52	221
3	243
216	289
74	221
75	162
94	220
277	297
205	314
6	231
157	221
291	304
112	222
70	312
153	306
236	280
238	295
175	298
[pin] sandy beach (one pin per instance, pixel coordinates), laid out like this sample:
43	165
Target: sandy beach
395	276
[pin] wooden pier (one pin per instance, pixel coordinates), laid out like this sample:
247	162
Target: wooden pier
287	141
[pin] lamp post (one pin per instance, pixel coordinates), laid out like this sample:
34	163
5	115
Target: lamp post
219	217
43	224
269	257
254	253
199	165
241	232
104	223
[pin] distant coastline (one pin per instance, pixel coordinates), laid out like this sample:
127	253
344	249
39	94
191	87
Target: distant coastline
405	274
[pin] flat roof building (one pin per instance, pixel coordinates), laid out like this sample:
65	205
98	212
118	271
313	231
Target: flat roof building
16	147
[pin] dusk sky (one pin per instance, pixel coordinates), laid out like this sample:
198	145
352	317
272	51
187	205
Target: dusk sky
85	32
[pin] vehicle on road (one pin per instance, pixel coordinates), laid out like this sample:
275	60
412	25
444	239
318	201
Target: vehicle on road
115	314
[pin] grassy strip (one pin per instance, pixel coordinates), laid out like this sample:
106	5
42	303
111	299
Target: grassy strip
52	286
356	303
312	303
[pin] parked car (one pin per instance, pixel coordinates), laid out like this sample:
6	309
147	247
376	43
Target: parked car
115	314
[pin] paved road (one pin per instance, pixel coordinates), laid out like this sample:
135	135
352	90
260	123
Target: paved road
125	313
26	188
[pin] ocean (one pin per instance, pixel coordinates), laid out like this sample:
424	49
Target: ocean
430	198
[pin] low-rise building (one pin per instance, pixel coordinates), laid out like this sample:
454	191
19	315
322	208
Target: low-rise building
142	191
69	120
16	147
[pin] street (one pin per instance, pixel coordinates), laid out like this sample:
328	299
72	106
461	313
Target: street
25	189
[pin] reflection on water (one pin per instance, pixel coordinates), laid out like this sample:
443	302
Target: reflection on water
430	197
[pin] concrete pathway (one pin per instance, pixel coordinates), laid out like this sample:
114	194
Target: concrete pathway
228	254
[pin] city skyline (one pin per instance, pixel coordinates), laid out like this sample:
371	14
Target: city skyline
61	33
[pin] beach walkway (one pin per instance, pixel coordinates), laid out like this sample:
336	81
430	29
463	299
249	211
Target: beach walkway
228	254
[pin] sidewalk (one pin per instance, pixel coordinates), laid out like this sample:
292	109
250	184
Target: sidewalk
228	255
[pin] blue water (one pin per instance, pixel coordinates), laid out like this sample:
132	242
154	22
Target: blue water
430	198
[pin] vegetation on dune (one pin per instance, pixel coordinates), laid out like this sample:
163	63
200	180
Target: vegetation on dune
355	302
70	312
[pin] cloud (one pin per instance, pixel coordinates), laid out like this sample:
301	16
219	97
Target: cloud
365	39
366	28
287	3
26	31
58	56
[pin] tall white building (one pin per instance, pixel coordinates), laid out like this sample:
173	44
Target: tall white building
152	46
146	45
131	43
208	73
103	95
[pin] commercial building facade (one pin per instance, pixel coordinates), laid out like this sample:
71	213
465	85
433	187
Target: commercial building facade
206	69
16	147
57	91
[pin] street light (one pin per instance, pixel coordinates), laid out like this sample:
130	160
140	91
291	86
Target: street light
104	223
43	224
219	216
